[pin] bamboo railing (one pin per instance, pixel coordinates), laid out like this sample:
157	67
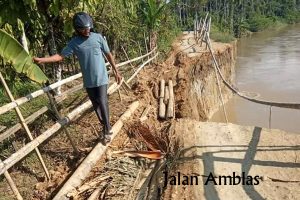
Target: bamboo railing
62	122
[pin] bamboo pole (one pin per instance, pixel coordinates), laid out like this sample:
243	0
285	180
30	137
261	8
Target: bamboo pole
145	113
127	58
139	69
36	114
12	185
59	117
24	125
208	30
37	93
25	150
95	195
167	95
18	126
68	92
217	77
162	106
86	166
170	109
203	29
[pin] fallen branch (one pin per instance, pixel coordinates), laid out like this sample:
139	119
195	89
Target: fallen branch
89	185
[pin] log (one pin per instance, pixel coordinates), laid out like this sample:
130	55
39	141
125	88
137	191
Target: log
167	95
86	166
170	109
162	106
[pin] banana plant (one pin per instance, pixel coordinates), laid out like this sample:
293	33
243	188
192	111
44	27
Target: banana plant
12	51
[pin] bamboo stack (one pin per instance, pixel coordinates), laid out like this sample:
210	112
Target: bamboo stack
166	100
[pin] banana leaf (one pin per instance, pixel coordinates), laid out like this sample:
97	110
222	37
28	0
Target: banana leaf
12	51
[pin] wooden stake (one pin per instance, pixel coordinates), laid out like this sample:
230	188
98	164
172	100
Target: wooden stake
12	185
127	57
24	125
162	106
170	109
59	117
167	95
120	95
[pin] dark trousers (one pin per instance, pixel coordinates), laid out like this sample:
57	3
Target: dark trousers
98	97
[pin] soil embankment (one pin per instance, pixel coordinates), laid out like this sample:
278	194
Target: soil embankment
221	151
197	93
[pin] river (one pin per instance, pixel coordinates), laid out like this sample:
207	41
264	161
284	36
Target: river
268	65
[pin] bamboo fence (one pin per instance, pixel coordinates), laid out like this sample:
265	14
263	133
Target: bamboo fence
62	122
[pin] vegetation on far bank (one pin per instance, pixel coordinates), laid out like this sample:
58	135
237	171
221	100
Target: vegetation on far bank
47	25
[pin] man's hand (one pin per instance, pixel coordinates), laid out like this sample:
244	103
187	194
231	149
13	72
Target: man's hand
37	60
51	59
118	77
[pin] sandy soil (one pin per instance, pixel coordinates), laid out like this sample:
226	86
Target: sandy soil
222	149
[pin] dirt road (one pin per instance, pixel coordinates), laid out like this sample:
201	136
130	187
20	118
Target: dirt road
221	149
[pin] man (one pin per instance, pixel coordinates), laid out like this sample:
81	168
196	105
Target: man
88	47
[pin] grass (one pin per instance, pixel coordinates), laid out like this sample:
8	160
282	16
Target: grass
219	36
20	89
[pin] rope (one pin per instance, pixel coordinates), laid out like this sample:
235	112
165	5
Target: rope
260	101
219	86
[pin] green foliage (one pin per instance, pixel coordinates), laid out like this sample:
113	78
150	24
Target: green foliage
259	23
14	53
20	89
220	36
167	33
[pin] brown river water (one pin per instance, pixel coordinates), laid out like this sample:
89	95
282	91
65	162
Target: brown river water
268	65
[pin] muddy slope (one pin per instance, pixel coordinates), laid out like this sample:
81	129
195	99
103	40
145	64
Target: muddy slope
197	94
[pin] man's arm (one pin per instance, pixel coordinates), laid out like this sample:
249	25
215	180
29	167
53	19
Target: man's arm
111	60
54	58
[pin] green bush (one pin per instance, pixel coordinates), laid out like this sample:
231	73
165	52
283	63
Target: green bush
220	36
292	17
259	23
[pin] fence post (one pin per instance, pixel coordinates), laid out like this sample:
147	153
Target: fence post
22	120
58	116
12	185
